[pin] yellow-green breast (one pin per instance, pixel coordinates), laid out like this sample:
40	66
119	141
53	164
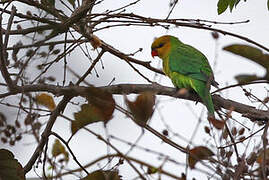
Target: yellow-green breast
179	80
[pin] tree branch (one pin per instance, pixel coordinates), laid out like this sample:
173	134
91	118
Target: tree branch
44	137
219	102
3	52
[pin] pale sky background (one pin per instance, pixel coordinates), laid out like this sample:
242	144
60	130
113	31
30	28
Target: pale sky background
176	114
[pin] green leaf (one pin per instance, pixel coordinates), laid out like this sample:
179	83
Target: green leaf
152	170
10	168
103	175
244	78
231	5
268	5
72	2
236	3
222	6
251	53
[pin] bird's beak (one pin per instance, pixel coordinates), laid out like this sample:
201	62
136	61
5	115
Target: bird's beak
154	53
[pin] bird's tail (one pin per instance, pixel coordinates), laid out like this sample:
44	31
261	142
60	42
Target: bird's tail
205	95
207	99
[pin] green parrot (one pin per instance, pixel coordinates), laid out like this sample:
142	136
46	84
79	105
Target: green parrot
186	66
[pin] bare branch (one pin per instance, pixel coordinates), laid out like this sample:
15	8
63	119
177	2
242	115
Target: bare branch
44	137
3	53
246	110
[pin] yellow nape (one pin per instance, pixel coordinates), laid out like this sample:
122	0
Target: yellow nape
162	45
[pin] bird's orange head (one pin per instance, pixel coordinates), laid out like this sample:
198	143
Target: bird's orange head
161	46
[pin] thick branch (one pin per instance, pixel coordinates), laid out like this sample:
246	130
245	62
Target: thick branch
246	110
3	46
44	137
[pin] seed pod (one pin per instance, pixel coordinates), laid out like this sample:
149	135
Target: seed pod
225	134
229	154
234	131
17	124
18	137
7	133
207	130
215	35
165	132
222	152
242	138
241	131
252	158
4	140
11	142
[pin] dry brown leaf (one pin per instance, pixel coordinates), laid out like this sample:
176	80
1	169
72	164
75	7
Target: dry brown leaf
58	149
103	175
95	42
99	109
197	154
142	107
260	157
218	124
46	100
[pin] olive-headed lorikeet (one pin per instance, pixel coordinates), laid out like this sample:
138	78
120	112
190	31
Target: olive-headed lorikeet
186	66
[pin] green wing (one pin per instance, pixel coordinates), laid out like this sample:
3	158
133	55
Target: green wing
190	62
185	60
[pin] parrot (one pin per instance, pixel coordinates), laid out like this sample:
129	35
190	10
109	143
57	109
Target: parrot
187	68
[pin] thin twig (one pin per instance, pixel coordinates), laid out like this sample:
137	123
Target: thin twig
232	139
113	147
82	78
44	161
240	141
10	21
136	70
70	150
119	156
240	84
77	75
153	21
168	141
265	143
172	8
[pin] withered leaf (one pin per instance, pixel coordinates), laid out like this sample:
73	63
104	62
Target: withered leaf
103	175
46	100
100	108
142	108
218	124
197	154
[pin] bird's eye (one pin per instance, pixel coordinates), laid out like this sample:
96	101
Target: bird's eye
161	45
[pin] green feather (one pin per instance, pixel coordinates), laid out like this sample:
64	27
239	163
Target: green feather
189	68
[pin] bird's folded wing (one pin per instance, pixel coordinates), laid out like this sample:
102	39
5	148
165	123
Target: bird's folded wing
190	62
